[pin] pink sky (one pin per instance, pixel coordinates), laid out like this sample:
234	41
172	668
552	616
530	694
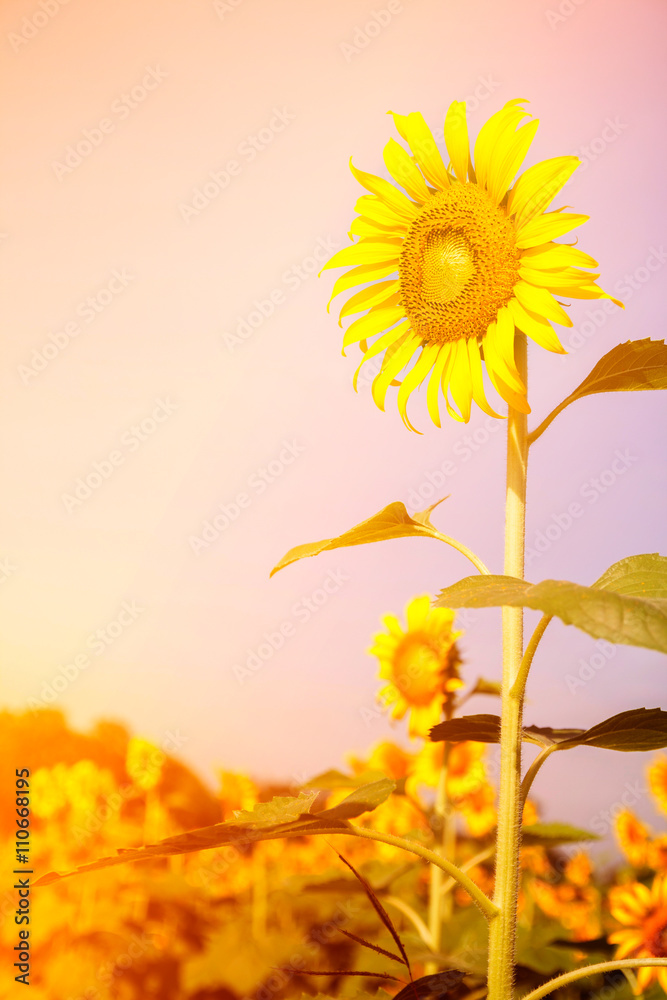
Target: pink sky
145	385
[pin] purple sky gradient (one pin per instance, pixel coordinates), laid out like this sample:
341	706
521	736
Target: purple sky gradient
221	74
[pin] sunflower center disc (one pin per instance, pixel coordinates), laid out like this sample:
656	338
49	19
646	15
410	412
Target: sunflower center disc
458	265
447	266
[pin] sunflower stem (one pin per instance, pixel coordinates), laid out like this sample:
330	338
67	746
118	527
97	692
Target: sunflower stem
502	929
592	970
439	908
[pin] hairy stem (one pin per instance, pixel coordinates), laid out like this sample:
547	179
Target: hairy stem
519	686
439	909
533	769
464	550
502	930
592	970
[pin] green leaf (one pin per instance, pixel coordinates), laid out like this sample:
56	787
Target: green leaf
361	800
482	686
392	521
329	780
630	367
252	827
637	576
638	729
552	834
604	613
279	810
478	728
486	729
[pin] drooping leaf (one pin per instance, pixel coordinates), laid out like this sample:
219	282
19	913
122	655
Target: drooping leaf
630	367
371	946
603	613
545	736
241	833
637	729
478	728
392	521
381	912
483	686
435	987
552	834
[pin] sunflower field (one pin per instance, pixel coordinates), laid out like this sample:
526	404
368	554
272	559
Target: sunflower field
318	915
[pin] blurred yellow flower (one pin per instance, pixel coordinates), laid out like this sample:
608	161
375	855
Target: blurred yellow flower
657	781
577	907
656	854
143	763
237	792
420	663
479	811
643	913
632	836
475	259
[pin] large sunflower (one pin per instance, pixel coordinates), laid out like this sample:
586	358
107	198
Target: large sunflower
643	913
465	261
420	663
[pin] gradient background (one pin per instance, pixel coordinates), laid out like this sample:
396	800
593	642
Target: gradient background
226	67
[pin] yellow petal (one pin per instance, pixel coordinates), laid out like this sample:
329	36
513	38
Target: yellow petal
412	380
535	327
417	611
395	336
547	227
374	208
553	255
460	382
518	402
363	226
419	137
588	292
499	351
456	138
403	170
392	368
505	165
555	280
379	318
538	186
387	192
366	251
369	297
433	390
444	380
492	139
359	276
477	378
541	302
